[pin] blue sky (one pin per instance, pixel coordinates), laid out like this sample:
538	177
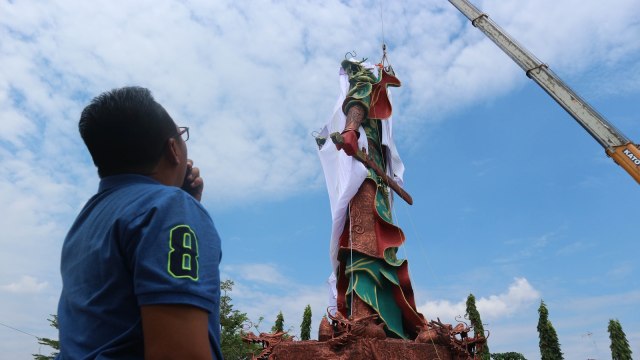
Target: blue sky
514	202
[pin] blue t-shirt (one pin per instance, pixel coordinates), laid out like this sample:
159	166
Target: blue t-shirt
136	242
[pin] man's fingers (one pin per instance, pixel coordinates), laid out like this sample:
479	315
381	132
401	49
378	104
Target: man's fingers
194	184
195	173
197	183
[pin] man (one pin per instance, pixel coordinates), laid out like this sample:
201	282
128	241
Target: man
140	265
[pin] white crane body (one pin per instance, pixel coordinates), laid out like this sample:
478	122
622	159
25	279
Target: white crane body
616	145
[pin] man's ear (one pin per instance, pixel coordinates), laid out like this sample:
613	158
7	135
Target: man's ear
173	153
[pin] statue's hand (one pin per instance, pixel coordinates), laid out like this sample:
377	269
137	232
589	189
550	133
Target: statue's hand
350	142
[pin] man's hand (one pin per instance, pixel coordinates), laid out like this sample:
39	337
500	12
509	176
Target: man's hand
193	183
350	142
175	332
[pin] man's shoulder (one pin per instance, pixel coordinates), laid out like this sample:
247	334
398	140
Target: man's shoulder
131	196
140	201
170	201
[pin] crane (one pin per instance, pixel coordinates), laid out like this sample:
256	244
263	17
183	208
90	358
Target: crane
617	146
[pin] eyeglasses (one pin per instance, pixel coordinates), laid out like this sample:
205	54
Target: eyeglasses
183	131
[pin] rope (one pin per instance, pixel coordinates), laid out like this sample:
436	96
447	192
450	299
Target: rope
396	222
381	22
384	61
26	333
18	330
404	250
353	290
422	251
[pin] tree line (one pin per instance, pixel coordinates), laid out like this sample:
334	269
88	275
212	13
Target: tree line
234	324
548	338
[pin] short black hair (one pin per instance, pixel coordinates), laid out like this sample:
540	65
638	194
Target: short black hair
125	131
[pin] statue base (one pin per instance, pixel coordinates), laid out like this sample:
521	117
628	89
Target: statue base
365	339
362	349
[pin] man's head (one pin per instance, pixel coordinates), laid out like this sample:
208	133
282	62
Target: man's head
127	131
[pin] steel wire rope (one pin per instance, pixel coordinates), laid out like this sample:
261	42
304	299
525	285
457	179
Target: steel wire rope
390	196
422	249
393	210
351	284
26	333
18	330
405	251
381	22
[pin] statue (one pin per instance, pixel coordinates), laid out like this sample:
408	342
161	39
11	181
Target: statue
373	313
360	171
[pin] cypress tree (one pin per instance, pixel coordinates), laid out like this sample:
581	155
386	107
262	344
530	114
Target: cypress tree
620	349
474	316
549	345
305	327
508	356
279	325
55	344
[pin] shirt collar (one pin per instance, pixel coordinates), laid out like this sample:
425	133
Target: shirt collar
118	180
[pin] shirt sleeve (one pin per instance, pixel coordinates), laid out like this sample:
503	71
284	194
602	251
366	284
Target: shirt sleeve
174	252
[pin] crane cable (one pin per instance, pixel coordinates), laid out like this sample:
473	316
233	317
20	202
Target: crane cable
26	333
385	65
384	45
382	25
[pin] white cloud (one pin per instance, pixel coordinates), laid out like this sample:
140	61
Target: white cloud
519	296
252	88
529	247
574	248
27	284
622	270
594	303
443	309
259	273
259	296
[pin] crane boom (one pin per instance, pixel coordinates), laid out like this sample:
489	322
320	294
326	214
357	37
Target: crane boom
616	145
